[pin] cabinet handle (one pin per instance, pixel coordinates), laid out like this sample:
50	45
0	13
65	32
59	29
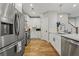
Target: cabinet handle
15	48
54	39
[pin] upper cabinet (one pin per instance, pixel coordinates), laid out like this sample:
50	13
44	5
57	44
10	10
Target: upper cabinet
18	6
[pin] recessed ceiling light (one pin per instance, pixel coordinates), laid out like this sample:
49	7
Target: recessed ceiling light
60	16
74	5
31	5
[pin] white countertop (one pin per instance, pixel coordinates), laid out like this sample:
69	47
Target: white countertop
72	36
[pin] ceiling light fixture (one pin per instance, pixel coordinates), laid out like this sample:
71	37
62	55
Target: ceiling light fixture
31	5
74	5
60	16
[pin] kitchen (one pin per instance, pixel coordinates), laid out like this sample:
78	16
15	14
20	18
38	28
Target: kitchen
56	24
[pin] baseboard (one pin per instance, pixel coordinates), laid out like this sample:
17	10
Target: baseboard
54	48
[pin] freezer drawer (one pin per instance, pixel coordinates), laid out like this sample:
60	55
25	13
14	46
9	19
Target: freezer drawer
10	50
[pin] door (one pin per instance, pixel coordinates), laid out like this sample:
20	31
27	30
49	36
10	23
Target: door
44	28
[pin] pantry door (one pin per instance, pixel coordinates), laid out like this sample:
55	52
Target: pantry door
44	28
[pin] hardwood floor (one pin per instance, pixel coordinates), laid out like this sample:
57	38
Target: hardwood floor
38	47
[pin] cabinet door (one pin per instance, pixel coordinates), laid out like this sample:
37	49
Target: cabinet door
58	44
52	39
55	41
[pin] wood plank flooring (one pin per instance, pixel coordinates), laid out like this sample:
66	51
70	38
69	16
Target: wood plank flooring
38	47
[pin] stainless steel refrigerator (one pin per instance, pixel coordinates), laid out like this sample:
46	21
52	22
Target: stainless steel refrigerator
19	32
7	33
12	36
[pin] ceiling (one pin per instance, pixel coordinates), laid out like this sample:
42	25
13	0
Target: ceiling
39	8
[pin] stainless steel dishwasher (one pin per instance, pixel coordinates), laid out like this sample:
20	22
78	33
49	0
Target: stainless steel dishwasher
69	47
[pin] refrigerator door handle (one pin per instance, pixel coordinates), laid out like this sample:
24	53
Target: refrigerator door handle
16	24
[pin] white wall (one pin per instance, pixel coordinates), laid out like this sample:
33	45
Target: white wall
52	20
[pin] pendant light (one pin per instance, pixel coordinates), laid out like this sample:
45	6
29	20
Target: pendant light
31	5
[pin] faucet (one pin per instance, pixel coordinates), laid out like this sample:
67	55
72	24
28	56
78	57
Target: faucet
76	28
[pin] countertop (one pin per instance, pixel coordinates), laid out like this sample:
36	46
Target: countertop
71	36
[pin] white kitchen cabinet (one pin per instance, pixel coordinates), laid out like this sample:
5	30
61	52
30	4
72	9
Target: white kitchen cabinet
56	42
51	36
54	38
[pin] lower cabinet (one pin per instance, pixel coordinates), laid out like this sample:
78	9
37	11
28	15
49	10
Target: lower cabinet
58	43
55	40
